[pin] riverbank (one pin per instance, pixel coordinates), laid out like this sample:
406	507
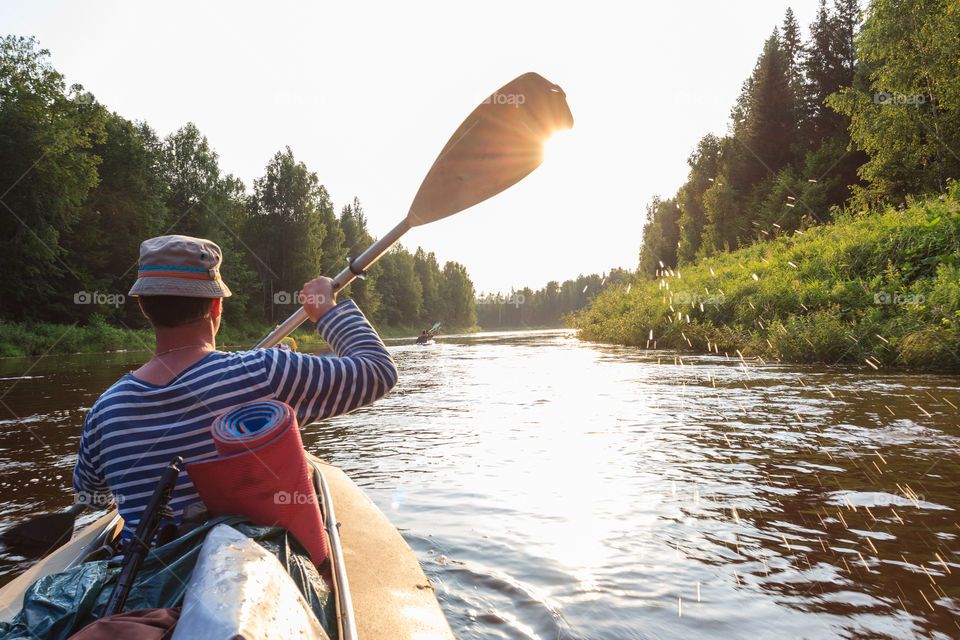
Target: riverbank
879	289
43	338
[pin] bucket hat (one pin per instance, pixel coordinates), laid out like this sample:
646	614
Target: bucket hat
180	266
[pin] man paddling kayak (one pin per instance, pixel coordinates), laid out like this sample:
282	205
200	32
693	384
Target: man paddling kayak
165	408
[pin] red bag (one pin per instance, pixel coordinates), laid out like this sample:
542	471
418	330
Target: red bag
262	473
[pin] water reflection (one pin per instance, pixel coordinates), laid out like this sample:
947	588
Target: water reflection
556	489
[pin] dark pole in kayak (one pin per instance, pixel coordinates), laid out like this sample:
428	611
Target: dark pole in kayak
136	550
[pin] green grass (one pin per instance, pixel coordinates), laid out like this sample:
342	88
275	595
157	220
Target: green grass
880	285
39	338
97	336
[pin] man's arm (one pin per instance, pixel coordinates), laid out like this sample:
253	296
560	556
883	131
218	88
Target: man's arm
316	387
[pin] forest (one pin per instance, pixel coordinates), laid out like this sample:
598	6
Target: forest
825	225
86	185
852	117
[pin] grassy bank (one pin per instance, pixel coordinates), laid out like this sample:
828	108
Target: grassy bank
41	338
877	288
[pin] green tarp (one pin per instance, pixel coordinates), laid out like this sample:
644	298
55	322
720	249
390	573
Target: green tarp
58	605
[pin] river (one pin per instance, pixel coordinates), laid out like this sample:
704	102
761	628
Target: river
556	489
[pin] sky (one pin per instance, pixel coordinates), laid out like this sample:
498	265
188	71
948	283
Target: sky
366	94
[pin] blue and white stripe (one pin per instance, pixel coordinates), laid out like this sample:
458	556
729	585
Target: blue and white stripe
135	428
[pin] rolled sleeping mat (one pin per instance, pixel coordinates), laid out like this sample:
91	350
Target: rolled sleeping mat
262	473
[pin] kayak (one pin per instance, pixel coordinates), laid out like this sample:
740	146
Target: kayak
427	336
379	588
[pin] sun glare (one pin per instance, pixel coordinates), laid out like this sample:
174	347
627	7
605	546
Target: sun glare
557	145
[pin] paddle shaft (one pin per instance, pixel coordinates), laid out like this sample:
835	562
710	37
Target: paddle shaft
355	269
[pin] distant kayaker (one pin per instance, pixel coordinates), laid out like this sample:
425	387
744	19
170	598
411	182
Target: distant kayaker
166	407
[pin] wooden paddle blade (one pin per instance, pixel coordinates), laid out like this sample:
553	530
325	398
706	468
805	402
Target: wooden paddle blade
495	147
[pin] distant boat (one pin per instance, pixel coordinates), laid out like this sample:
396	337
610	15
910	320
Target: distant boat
426	336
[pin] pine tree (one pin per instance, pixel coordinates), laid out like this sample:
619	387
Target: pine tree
792	45
770	122
829	64
845	20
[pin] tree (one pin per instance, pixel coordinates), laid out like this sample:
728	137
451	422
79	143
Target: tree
356	239
230	208
286	232
908	119
126	207
704	166
792	47
191	170
428	272
333	251
661	236
769	113
724	218
829	64
457	292
47	170
400	291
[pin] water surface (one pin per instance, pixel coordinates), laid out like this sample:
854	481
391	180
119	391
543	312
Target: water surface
559	489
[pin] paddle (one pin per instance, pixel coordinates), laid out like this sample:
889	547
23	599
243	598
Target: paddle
495	147
44	532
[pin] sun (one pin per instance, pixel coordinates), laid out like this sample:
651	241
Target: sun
557	145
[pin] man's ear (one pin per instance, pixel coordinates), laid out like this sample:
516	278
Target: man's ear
216	307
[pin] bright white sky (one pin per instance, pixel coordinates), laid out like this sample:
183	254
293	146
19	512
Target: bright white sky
366	94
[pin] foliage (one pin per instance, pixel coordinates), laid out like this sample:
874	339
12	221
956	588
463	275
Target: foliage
47	170
883	285
546	307
858	117
88	185
784	163
908	118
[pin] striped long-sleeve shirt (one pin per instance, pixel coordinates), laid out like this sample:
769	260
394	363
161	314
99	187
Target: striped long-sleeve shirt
135	428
